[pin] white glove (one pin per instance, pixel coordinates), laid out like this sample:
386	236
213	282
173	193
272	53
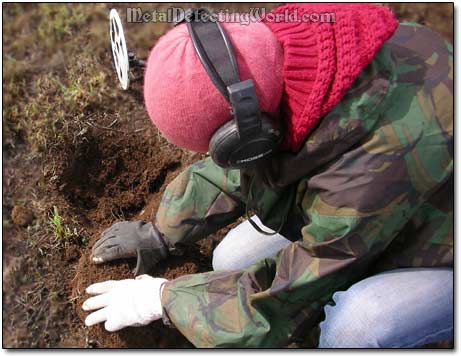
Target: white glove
129	302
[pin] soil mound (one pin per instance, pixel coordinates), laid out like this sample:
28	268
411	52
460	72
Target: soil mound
154	335
113	177
21	216
121	176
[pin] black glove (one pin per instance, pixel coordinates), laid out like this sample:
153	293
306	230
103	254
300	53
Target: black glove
129	239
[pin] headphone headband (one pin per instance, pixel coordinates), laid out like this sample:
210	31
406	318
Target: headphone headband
251	136
213	48
216	53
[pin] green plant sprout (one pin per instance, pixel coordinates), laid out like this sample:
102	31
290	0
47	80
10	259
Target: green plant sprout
61	232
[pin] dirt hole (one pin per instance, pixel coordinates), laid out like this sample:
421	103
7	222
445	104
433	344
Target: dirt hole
114	178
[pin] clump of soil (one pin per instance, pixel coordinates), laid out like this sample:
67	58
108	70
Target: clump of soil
72	253
154	335
114	176
196	259
22	216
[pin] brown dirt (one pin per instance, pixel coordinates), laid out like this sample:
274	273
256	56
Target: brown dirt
128	182
153	335
21	216
111	177
115	176
117	171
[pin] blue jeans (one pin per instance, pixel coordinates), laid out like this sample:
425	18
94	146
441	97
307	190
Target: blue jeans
402	308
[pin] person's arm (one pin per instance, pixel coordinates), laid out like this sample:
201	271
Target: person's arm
200	201
263	305
355	208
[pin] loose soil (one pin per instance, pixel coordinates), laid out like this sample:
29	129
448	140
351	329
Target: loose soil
117	172
113	177
106	163
124	178
21	216
101	162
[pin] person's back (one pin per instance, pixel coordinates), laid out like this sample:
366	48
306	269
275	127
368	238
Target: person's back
419	121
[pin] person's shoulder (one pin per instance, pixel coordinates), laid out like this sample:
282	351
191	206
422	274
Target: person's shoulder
420	39
422	57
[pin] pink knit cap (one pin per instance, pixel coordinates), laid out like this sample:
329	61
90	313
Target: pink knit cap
181	99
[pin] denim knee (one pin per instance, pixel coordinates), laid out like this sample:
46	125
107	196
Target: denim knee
352	320
401	308
243	246
223	258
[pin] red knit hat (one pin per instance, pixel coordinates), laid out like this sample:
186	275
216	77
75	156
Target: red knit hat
180	97
318	63
322	59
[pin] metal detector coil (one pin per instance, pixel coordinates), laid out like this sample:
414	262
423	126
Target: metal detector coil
119	50
124	60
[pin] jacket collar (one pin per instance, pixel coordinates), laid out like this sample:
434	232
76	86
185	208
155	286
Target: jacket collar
343	127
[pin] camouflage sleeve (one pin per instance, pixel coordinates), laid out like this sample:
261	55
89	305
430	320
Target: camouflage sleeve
354	208
266	304
200	201
351	224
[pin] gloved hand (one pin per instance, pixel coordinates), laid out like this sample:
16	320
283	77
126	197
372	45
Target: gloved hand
128	302
128	239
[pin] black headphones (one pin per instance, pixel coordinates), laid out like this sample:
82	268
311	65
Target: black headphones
251	135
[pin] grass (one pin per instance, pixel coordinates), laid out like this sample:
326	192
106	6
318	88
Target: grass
53	104
59	22
46	100
60	231
57	66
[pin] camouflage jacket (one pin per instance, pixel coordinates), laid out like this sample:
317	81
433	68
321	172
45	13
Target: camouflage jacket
371	190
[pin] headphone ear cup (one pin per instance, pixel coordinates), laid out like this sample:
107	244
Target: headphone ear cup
229	151
224	142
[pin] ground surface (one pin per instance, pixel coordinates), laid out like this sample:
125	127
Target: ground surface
78	155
